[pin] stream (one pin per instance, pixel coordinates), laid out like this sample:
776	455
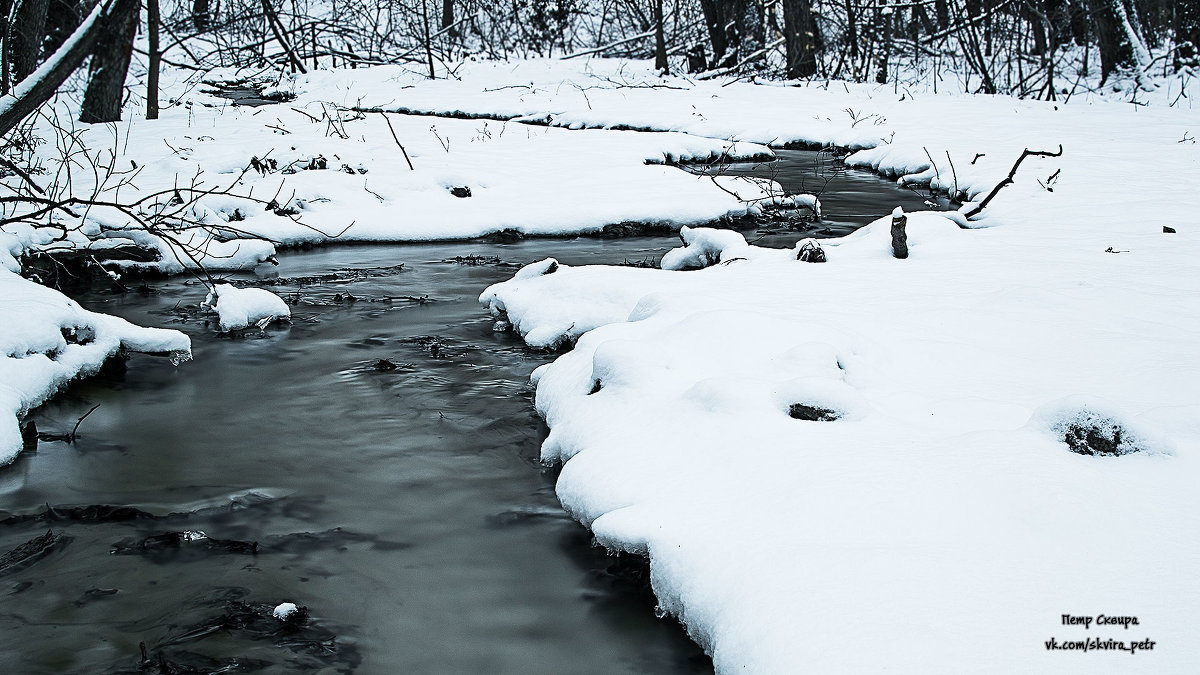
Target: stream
375	461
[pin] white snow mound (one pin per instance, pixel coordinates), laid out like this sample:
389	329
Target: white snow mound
241	307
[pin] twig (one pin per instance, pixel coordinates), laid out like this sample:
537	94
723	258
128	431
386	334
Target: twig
1008	180
71	438
398	143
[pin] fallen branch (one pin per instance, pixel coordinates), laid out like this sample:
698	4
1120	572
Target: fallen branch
618	43
1008	180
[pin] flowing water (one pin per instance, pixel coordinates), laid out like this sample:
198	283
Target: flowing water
375	461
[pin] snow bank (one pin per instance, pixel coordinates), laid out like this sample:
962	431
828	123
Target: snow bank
874	464
245	180
47	340
242	307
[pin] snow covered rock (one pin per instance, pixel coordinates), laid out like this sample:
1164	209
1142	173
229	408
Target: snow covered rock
241	307
702	247
284	610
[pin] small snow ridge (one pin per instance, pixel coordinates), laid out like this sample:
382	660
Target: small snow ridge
240	307
537	269
1091	427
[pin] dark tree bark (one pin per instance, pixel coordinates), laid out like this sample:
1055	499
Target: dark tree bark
25	38
5	11
201	15
752	32
62	18
155	59
1079	20
110	63
448	18
1187	32
852	31
1115	50
660	39
942	9
715	20
885	45
801	38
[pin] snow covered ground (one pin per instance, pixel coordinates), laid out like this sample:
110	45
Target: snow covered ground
940	523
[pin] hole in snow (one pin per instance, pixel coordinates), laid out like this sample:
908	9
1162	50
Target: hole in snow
812	413
1089	429
78	335
595	387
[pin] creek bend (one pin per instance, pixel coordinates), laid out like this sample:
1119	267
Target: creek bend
383	454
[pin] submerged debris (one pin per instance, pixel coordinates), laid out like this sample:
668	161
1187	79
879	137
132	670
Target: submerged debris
30	551
334	277
94	513
191	540
475	260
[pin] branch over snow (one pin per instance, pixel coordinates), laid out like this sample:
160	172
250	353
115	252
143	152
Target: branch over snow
1008	180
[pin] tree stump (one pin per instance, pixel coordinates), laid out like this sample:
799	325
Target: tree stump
899	238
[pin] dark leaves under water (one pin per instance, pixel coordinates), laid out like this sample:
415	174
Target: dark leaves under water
302	642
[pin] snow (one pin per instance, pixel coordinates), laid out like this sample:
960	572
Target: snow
242	307
942	519
284	610
338	175
47	340
943	506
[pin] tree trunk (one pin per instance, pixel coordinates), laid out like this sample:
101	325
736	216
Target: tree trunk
5	11
201	15
851	32
110	63
448	18
62	18
1115	49
715	19
428	45
1187	32
660	39
25	38
942	9
800	38
885	42
752	32
155	59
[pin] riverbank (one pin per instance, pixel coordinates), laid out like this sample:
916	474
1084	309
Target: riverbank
1007	421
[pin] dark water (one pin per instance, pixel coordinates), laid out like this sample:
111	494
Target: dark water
404	507
850	198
